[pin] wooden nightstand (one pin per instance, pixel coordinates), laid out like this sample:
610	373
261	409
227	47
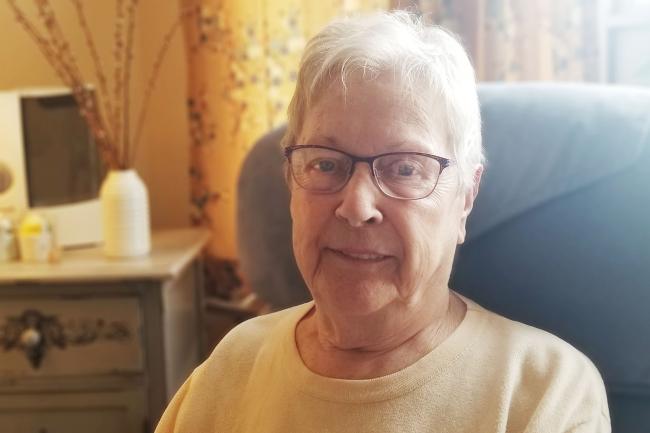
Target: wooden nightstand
96	345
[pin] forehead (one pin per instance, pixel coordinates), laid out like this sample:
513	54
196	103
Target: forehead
374	115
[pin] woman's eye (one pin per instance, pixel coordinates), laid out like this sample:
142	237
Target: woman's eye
405	169
324	165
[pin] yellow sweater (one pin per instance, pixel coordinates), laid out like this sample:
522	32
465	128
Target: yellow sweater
491	375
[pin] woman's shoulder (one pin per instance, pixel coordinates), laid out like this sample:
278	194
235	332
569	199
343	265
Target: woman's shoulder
240	344
520	336
259	327
530	350
232	359
215	388
540	374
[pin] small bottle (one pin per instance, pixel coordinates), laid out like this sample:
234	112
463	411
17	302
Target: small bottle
35	238
8	244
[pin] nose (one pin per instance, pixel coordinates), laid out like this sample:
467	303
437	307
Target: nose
358	205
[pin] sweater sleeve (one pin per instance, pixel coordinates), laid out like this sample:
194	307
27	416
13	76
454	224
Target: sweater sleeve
598	424
167	423
596	417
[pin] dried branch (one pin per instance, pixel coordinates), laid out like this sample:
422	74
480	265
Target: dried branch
90	112
61	48
153	77
41	42
57	53
58	40
127	77
111	126
118	75
97	64
62	51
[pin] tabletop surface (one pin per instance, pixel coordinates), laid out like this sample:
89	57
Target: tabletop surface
171	251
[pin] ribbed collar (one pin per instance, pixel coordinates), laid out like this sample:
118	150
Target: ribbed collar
381	388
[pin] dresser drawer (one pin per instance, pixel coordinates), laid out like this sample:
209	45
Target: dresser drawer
44	337
72	413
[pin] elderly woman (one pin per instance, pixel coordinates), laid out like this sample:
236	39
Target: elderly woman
384	163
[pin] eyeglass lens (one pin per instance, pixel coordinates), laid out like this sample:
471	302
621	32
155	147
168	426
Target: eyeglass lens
401	175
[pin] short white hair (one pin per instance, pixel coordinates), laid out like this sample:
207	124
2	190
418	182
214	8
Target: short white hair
427	60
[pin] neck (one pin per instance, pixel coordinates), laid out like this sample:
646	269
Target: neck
378	344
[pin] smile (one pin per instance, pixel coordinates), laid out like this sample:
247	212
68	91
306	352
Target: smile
363	256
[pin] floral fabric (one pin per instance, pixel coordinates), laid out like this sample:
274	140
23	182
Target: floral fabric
243	58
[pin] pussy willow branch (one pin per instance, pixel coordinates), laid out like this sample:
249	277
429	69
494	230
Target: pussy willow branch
50	50
112	137
128	53
61	47
84	98
97	64
41	42
153	77
118	75
58	40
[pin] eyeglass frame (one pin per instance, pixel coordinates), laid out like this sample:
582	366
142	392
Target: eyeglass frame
444	163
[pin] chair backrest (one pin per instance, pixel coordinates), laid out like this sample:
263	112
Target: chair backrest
560	233
264	226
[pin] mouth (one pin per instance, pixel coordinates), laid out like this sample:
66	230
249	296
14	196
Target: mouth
359	256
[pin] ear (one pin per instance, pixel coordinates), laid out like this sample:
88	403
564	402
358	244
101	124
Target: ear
469	195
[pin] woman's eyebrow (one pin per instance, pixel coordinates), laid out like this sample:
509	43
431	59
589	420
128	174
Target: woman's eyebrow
322	140
391	146
409	145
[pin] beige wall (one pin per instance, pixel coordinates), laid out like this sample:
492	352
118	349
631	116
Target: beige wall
163	157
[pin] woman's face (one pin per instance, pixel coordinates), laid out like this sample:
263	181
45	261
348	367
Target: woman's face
358	250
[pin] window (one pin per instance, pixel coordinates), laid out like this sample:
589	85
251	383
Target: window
626	42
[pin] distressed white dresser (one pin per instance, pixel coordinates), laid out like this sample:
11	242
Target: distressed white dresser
90	344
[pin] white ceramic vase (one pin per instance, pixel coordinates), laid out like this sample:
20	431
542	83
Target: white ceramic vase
125	215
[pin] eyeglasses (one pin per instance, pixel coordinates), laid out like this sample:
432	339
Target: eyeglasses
401	175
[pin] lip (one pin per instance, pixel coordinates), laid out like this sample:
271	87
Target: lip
359	255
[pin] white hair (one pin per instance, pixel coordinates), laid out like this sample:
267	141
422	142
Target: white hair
427	60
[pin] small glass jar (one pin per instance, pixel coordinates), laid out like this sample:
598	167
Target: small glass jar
8	244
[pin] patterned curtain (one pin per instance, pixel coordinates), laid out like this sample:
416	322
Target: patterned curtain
243	57
515	40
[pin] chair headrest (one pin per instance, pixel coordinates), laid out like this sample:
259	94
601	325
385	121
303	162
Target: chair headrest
545	140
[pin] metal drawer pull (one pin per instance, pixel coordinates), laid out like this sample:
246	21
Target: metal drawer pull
34	333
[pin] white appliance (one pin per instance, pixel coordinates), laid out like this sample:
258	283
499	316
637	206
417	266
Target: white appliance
49	163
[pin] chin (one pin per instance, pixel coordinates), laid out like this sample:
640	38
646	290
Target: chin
353	298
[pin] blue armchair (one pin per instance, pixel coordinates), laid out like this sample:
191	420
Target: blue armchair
560	233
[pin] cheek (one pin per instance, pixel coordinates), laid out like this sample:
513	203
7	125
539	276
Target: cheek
307	223
422	248
300	232
429	242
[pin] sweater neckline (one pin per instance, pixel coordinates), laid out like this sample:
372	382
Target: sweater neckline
380	388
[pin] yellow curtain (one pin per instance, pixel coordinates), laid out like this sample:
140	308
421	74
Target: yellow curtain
243	57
